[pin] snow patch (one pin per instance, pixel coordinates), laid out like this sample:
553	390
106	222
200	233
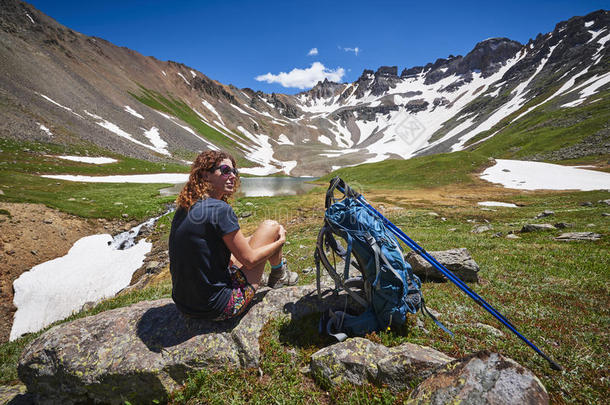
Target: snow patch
496	204
526	175
283	140
88	159
59	105
133	112
155	139
325	140
45	129
30	17
184	78
118	131
55	289
171	178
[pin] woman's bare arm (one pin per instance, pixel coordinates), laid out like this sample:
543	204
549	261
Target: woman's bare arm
248	256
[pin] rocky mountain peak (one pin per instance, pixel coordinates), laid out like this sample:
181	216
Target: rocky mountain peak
324	89
387	71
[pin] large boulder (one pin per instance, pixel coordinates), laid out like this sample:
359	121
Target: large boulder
359	360
537	227
577	236
142	352
458	261
478	379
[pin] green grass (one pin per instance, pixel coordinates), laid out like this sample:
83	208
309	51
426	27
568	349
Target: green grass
419	172
22	162
547	129
556	293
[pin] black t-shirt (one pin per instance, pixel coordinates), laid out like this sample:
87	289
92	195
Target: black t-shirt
199	258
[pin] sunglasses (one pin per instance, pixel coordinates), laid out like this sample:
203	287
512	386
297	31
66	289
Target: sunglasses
225	170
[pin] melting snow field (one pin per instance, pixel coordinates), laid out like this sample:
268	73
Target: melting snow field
172	178
496	204
88	159
55	289
526	175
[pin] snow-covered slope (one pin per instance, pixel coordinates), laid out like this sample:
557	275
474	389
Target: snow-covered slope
61	86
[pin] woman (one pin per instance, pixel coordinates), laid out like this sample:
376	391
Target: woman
216	269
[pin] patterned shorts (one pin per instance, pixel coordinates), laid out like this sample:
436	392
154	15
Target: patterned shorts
241	296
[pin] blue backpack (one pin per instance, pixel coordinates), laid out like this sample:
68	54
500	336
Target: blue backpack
388	288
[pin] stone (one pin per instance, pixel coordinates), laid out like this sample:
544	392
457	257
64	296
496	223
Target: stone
433	214
245	214
15	395
478	379
537	227
563	225
152	265
607	202
142	352
47	221
1	192
358	360
125	215
458	261
577	236
545	213
489	329
586	204
512	236
605	214
482	228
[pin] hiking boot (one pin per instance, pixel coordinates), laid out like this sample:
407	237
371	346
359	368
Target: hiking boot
282	277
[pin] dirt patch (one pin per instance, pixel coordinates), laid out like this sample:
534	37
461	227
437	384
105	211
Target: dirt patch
32	234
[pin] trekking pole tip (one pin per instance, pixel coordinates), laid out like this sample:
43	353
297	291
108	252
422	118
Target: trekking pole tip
555	366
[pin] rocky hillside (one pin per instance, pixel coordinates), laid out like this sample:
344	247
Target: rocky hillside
61	86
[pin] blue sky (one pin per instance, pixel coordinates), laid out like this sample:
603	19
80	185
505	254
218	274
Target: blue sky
235	42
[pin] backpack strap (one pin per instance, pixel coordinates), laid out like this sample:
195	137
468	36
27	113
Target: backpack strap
347	191
324	236
436	321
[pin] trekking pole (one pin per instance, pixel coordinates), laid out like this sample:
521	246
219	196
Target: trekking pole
451	277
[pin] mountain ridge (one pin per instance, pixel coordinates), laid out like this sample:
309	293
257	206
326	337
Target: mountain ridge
86	89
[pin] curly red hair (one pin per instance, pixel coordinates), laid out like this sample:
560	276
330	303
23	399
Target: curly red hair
197	186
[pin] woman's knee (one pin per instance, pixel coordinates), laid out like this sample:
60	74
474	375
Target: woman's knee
270	225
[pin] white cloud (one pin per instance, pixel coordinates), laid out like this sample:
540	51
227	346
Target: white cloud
312	52
356	50
304	78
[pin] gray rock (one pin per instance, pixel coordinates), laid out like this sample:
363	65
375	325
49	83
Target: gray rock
458	261
482	228
545	213
1	192
563	225
481	378
359	360
142	352
537	227
152	265
512	236
433	214
586	204
15	395
607	202
605	214
577	236
489	329
245	214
